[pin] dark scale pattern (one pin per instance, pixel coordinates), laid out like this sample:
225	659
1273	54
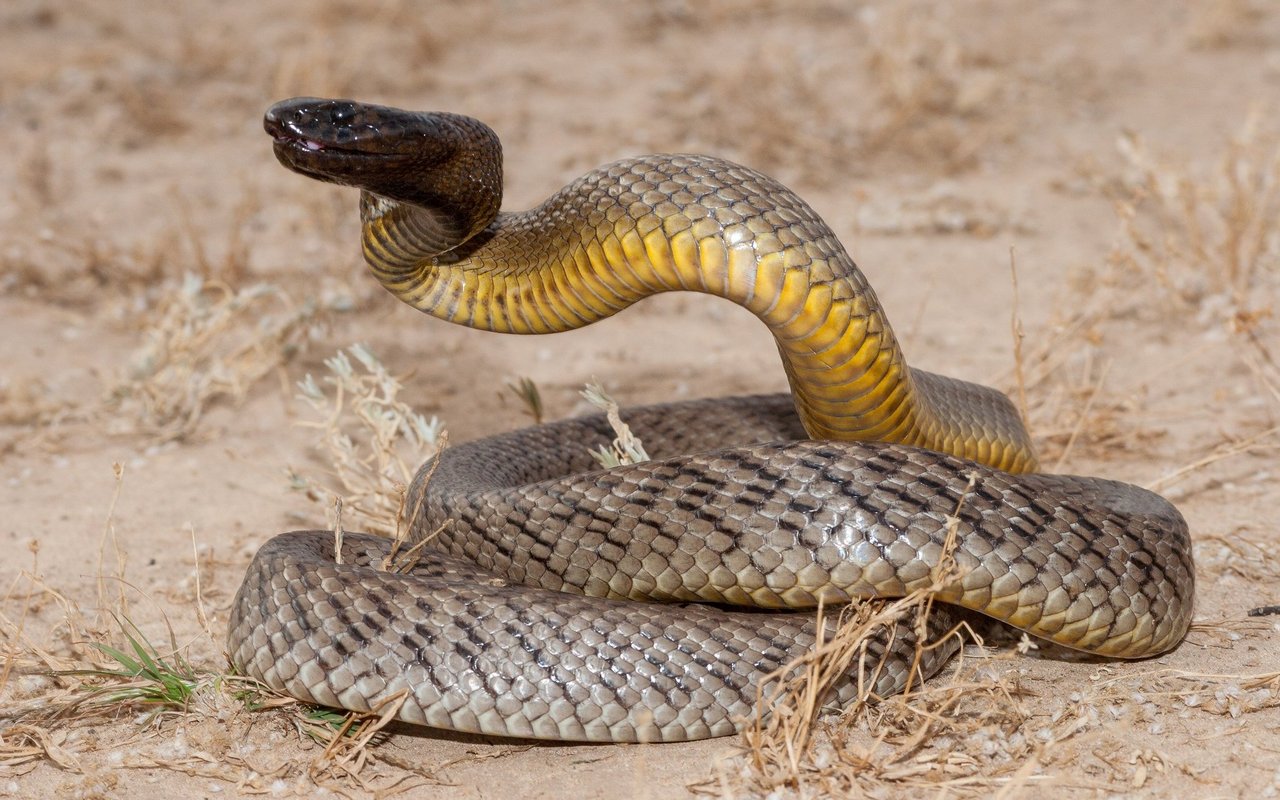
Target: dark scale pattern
732	511
481	656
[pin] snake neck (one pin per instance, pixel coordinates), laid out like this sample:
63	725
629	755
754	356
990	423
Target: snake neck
694	223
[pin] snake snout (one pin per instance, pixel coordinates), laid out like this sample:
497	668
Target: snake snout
288	113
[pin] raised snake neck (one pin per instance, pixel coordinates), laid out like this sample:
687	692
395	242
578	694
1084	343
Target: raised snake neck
731	509
627	231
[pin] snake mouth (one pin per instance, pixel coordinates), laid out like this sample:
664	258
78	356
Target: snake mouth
313	150
289	134
305	144
309	157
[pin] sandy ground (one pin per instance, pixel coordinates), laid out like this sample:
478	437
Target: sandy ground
934	138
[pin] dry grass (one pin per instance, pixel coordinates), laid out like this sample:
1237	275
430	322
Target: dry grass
964	735
931	101
29	411
1210	240
82	263
988	730
732	110
1197	241
1242	554
205	344
930	88
79	270
373	442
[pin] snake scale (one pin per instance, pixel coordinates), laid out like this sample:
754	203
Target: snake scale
524	615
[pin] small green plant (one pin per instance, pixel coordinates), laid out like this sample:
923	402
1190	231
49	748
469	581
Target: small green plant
142	675
524	388
322	724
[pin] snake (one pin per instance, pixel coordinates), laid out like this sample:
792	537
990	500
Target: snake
659	601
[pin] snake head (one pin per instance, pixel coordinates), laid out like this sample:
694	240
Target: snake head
448	163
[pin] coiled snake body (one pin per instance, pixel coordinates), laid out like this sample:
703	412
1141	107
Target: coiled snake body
524	620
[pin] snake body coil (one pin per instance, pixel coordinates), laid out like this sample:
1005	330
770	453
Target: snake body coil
523	620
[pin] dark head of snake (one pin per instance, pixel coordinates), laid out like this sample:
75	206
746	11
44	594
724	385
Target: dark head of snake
521	619
446	162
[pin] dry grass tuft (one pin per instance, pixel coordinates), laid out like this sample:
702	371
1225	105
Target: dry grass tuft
205	344
81	672
27	402
919	99
29	411
1080	411
373	441
967	734
347	754
930	88
75	271
626	447
1209	240
83	675
733	112
104	706
789	746
1243	554
1074	404
1195	241
792	746
987	731
1262	442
